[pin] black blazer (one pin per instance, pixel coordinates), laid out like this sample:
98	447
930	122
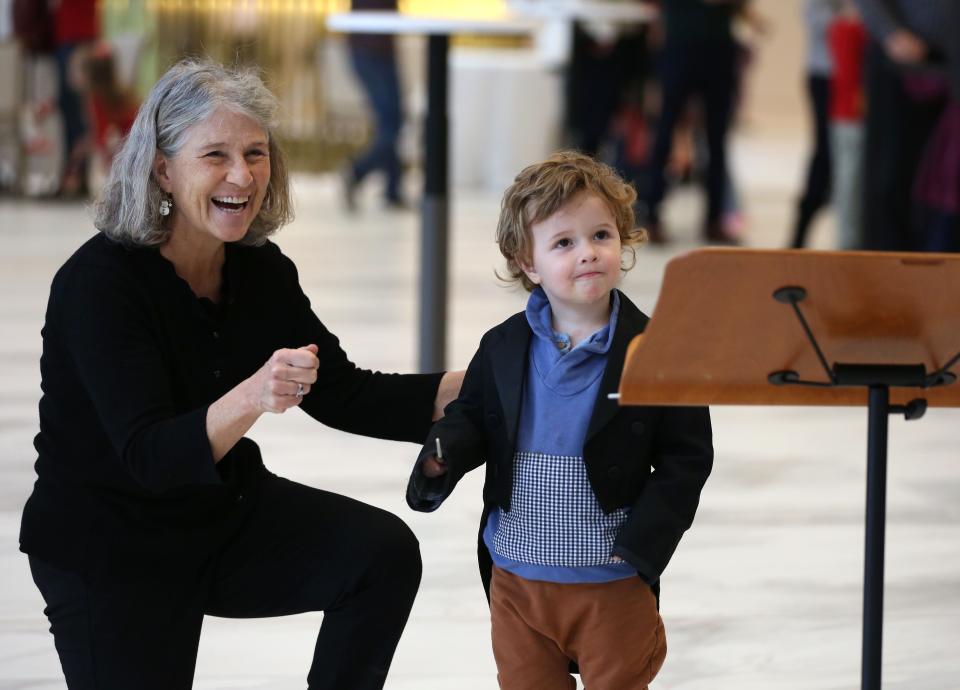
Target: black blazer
653	459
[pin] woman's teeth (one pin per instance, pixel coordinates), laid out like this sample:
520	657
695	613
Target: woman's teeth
233	204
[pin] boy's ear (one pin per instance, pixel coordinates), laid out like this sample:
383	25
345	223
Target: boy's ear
160	172
527	269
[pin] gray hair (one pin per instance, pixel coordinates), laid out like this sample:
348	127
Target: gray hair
128	207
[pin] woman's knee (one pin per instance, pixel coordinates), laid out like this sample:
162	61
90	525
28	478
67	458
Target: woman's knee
398	552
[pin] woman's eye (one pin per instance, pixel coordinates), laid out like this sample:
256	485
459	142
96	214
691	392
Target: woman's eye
215	154
256	153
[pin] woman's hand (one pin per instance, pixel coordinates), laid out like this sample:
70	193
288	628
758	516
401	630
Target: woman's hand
284	379
447	392
277	386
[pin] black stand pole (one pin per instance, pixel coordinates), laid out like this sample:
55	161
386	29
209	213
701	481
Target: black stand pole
877	378
433	234
879	411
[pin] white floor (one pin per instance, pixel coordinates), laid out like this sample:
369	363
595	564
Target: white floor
765	590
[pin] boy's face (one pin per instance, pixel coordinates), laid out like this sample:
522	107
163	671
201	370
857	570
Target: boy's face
576	254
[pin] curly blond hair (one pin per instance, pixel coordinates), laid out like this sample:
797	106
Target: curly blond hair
542	189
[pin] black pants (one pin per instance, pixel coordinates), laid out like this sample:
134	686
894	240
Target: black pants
897	129
816	192
707	70
135	622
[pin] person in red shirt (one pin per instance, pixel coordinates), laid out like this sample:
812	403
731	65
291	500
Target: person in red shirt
847	39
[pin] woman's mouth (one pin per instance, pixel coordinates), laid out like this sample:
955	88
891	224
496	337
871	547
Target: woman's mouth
231	204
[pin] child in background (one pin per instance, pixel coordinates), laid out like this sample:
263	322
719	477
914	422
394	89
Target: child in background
112	110
584	501
847	39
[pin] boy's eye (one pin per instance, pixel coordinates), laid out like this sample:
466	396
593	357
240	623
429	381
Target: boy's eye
602	234
560	244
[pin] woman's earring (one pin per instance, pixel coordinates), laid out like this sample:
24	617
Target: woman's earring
165	206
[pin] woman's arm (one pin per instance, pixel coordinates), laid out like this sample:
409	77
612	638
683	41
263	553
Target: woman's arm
398	407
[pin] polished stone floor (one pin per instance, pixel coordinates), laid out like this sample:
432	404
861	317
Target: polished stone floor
765	590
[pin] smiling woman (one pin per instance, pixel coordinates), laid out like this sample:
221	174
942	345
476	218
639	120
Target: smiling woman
216	183
167	336
191	93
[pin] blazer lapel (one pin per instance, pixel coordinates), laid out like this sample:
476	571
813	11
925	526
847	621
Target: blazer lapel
630	322
509	358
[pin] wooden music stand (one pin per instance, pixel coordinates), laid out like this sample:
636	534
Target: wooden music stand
794	327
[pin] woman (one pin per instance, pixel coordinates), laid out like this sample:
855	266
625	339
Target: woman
167	336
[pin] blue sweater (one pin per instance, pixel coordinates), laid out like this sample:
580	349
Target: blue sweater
556	530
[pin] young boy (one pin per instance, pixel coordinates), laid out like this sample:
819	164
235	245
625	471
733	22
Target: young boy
584	501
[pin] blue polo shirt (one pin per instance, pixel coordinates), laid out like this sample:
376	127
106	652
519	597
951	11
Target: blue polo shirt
556	530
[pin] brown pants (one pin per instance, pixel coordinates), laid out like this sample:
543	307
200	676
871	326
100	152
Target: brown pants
611	629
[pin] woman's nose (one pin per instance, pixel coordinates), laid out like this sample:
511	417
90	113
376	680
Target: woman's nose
239	174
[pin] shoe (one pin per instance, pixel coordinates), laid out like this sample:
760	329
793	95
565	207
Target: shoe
397	204
350	185
716	233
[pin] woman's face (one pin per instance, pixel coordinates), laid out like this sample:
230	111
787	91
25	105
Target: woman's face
219	177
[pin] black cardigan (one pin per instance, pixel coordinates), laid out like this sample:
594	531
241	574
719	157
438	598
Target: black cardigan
131	362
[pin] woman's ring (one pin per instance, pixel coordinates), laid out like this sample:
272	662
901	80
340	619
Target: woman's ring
299	390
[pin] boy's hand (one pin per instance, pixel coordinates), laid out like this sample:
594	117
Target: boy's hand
433	467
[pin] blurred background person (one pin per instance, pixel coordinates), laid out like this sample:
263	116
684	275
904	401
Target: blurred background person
905	88
25	106
33	26
75	30
936	192
374	61
607	69
112	108
606	110
817	15
698	58
847	39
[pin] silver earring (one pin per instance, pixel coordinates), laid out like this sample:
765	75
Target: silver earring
165	206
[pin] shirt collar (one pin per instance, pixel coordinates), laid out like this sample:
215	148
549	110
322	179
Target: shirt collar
540	317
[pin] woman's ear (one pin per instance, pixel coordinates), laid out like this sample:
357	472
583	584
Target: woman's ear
160	172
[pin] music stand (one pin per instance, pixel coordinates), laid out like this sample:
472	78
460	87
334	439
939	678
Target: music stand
794	327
